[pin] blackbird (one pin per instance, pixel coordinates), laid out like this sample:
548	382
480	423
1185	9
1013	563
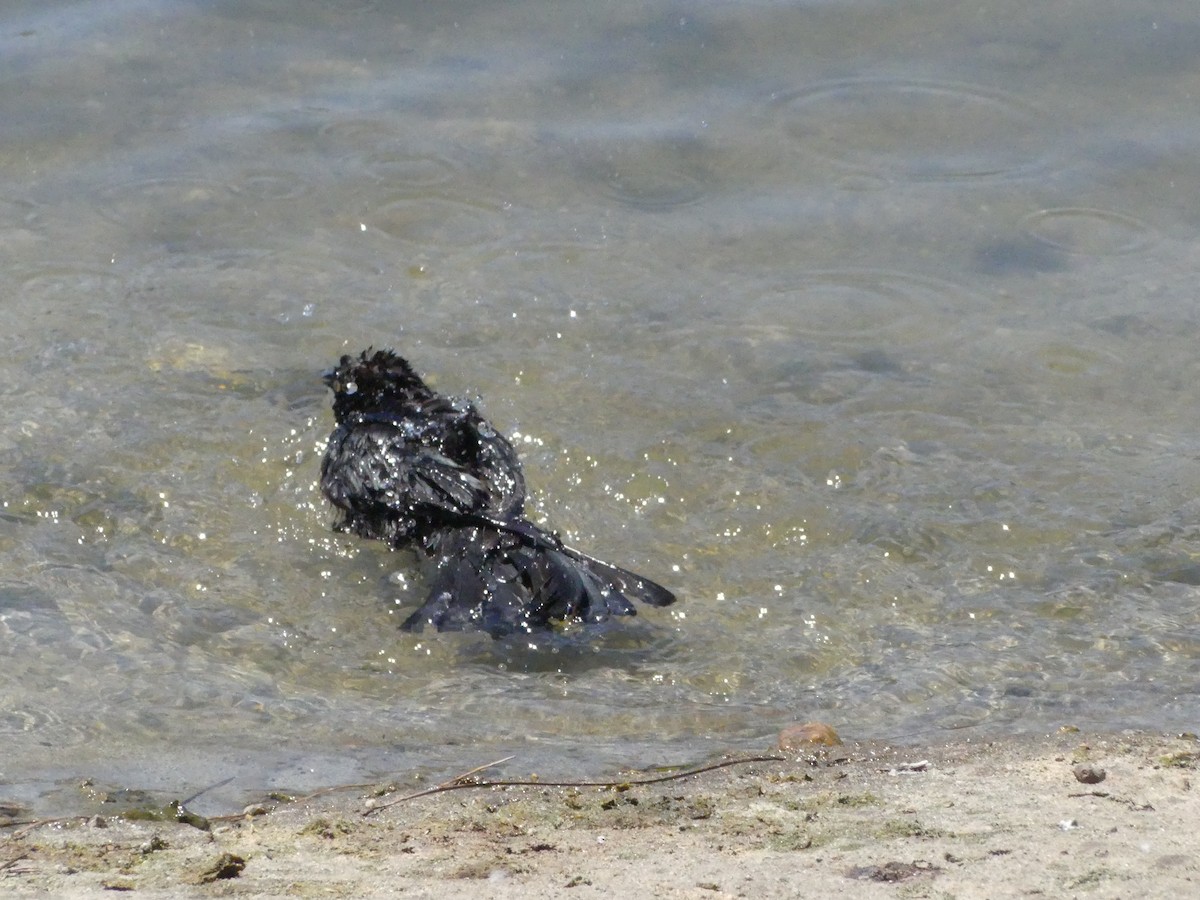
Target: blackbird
416	469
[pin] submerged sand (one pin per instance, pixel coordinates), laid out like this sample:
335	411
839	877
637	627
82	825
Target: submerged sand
992	819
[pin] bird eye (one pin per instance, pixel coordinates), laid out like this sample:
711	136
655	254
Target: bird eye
350	387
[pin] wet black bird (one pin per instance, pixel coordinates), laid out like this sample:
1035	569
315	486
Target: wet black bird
411	467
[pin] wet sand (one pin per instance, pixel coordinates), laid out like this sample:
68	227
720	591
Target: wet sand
990	819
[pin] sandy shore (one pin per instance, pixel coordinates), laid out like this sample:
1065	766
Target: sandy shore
1002	819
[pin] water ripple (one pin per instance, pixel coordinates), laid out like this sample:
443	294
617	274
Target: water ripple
356	133
130	202
850	305
397	168
653	175
14	211
437	221
52	282
271	185
1089	232
46	723
914	129
652	187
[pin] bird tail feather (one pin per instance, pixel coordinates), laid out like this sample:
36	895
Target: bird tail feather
504	583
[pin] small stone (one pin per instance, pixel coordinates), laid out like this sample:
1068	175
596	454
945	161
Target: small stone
1086	773
11	811
809	734
227	865
153	845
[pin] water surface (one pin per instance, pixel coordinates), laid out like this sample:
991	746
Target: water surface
869	329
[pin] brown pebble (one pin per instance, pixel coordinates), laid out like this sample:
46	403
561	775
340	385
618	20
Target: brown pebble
227	865
1089	774
797	737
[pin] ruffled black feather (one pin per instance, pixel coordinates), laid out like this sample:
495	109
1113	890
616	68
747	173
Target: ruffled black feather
411	467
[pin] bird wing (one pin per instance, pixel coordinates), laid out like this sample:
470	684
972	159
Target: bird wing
378	471
439	482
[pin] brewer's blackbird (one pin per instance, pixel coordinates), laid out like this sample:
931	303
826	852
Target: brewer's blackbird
411	467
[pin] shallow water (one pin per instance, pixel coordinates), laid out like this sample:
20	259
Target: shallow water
869	329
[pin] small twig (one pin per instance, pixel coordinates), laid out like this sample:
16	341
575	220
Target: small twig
455	784
12	862
40	823
465	775
201	793
458	781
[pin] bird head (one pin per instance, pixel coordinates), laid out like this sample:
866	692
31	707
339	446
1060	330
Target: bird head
373	382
